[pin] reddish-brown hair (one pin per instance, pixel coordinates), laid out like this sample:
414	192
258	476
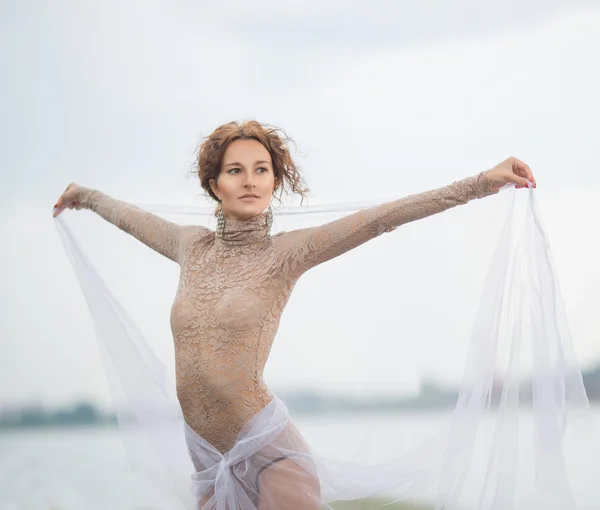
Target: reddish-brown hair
210	155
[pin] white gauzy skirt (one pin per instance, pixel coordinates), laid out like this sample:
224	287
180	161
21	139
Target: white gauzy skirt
268	454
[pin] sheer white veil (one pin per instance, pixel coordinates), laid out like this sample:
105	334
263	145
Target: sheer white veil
479	456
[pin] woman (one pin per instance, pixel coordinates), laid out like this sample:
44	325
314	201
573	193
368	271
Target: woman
234	284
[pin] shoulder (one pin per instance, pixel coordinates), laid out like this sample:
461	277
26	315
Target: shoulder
194	234
289	240
197	232
191	237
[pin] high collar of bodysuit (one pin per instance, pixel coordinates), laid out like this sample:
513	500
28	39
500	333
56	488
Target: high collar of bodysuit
240	232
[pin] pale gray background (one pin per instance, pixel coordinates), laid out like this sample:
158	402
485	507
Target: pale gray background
383	99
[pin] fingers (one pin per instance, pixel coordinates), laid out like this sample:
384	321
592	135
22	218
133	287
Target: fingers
521	169
60	206
57	208
66	200
521	182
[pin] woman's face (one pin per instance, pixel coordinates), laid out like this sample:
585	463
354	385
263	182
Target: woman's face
246	168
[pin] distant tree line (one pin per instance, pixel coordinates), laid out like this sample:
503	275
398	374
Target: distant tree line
33	416
431	396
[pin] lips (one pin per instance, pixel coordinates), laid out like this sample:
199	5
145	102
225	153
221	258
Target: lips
249	196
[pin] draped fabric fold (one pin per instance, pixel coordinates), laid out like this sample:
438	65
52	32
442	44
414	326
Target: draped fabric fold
520	307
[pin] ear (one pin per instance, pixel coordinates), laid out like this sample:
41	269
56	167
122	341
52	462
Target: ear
214	188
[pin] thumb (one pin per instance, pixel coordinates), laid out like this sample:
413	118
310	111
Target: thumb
58	208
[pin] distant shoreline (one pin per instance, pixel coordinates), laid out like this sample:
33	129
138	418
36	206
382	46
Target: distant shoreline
432	398
87	415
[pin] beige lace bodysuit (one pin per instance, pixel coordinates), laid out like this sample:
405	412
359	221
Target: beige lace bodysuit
233	289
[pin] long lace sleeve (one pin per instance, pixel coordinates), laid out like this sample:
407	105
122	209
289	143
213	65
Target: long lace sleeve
306	248
161	235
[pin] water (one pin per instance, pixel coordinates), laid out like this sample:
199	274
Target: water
75	469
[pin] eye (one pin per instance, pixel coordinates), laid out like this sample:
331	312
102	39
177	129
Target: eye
231	170
263	168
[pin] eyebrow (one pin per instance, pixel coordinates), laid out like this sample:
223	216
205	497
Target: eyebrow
256	163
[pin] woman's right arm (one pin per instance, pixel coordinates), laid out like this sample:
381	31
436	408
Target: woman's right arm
161	235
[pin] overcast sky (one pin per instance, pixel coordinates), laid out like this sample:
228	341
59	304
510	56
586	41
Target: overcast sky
383	99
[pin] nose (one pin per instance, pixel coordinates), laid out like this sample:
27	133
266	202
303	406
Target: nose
249	182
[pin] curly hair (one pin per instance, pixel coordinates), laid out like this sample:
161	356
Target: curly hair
210	155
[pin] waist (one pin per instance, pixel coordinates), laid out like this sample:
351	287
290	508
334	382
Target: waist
220	414
222	386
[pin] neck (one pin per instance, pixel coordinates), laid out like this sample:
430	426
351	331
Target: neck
244	231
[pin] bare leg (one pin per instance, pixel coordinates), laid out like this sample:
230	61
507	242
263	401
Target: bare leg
285	485
203	501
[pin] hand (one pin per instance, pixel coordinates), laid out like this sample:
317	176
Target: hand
67	199
512	170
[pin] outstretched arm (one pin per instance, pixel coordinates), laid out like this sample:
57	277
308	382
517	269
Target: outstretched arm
306	248
163	236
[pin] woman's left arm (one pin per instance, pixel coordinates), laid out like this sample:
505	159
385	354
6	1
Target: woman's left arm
309	247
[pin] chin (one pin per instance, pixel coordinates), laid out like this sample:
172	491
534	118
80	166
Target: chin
250	210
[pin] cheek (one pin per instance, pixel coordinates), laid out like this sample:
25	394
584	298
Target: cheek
227	187
269	182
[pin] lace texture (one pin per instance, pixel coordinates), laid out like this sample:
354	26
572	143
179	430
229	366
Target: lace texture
233	290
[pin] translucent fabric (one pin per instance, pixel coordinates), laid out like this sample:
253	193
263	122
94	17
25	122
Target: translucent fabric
474	460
